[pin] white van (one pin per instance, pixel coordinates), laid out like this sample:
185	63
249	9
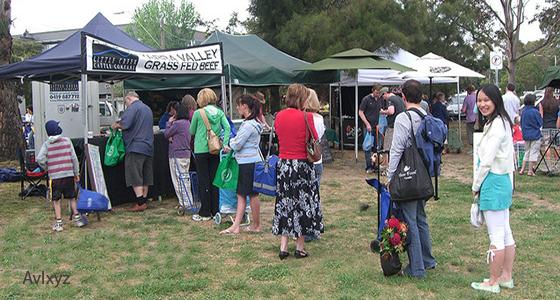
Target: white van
107	114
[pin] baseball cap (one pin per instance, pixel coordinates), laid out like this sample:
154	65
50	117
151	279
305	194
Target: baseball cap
384	90
53	128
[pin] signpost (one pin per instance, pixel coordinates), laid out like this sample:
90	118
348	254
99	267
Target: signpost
496	63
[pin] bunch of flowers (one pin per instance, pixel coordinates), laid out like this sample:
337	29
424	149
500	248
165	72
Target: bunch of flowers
393	236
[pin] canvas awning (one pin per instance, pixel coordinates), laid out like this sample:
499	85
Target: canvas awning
551	78
248	61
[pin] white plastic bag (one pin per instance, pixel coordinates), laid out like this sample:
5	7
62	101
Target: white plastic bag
477	218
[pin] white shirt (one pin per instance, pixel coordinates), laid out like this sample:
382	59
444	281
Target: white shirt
511	104
495	151
320	128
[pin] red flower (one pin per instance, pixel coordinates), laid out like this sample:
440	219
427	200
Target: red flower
394	223
396	239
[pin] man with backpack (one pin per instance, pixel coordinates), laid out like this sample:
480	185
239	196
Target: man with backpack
420	248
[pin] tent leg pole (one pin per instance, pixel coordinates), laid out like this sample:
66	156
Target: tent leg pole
85	109
340	117
330	106
223	89
356	129
459	117
230	94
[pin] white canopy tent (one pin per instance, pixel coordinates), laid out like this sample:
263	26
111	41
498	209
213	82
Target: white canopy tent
436	67
368	77
430	69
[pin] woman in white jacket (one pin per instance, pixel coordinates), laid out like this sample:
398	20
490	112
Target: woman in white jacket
493	185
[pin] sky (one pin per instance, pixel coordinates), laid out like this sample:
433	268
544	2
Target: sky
42	15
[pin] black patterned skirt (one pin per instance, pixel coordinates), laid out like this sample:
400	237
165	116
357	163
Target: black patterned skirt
297	210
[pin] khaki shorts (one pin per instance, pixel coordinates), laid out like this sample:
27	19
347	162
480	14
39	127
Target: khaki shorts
532	150
388	139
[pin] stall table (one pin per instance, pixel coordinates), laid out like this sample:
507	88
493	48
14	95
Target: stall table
119	193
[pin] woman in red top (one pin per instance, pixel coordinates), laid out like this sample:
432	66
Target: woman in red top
297	211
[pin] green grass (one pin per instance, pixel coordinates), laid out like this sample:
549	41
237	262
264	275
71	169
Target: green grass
159	255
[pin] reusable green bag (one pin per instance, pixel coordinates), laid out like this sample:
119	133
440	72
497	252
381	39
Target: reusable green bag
228	173
114	149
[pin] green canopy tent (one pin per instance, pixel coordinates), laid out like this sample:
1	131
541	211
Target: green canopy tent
248	61
354	59
551	78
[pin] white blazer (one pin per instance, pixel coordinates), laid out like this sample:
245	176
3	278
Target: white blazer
495	151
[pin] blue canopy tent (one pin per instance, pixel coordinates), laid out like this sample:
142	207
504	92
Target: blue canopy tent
63	62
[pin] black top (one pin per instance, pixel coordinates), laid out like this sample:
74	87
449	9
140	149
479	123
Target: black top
398	103
371	107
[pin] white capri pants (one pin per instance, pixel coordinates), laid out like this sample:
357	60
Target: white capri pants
499	231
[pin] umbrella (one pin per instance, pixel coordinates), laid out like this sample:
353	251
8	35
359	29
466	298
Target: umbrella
551	78
432	65
355	59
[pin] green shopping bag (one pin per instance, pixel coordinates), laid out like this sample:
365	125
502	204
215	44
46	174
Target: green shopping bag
114	149
228	173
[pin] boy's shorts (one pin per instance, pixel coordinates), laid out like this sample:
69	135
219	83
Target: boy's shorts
63	187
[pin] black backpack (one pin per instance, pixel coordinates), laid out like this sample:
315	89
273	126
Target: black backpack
411	181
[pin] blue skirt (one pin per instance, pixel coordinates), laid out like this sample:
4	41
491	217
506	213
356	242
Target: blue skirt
496	192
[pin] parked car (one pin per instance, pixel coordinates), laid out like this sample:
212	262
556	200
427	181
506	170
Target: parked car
454	107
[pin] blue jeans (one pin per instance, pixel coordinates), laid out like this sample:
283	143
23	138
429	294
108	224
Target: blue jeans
318	173
420	242
369	162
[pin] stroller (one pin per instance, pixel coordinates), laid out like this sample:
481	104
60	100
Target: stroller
385	208
228	207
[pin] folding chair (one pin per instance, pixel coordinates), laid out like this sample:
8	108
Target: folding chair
34	179
552	136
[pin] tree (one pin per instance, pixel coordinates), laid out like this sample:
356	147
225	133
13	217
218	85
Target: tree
10	119
21	50
235	26
498	28
24	49
312	30
160	24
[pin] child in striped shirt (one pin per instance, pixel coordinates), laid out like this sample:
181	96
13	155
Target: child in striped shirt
58	157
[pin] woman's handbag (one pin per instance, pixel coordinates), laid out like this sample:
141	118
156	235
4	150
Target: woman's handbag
264	181
114	149
313	146
477	218
411	181
214	142
227	173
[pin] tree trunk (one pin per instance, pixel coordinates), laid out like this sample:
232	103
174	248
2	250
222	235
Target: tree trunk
512	65
11	133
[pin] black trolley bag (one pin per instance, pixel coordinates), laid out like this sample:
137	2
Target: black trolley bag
411	181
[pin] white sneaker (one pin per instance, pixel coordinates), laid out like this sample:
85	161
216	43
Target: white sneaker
57	226
78	221
199	218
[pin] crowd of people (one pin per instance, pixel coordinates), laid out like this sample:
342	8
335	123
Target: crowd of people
297	209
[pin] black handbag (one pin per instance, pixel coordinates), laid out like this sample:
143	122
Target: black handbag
411	181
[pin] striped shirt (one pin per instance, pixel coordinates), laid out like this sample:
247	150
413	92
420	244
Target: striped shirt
58	157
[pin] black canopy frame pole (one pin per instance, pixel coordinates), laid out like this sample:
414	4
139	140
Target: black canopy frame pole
340	117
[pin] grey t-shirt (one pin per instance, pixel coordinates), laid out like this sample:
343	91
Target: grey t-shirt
137	123
398	103
402	138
